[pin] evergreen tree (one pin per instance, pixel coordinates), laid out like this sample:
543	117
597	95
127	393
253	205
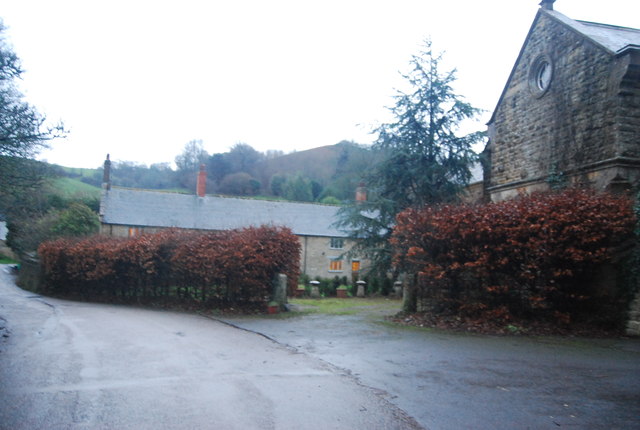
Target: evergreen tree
277	184
298	188
427	161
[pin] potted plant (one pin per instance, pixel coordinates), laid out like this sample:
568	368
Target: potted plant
301	290
341	292
273	308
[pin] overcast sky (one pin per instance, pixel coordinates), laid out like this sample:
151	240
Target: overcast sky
140	78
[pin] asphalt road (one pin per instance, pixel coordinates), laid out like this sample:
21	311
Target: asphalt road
68	365
448	381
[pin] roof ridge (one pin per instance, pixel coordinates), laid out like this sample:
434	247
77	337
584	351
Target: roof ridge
151	190
223	196
611	26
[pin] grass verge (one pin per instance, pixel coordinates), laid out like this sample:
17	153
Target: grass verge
7	260
351	306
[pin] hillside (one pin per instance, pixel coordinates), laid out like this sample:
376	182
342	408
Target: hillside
338	168
74	188
333	170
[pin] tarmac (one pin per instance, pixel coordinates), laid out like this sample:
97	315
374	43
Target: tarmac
469	381
72	365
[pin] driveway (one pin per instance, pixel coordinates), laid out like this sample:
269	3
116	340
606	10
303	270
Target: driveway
69	365
454	381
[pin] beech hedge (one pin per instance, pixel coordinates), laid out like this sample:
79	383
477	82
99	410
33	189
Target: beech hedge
226	268
536	256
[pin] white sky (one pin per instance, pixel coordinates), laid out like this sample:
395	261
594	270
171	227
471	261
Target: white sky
140	78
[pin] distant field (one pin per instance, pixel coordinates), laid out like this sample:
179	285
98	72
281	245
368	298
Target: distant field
69	187
81	171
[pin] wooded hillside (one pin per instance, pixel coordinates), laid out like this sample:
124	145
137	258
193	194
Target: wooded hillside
331	171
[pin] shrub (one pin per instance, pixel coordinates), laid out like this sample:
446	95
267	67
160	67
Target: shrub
231	267
77	220
531	256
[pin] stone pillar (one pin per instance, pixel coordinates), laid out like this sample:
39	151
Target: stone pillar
409	299
633	324
280	290
361	286
397	289
315	290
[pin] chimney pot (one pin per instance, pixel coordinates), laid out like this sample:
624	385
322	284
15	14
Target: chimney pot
547	4
361	193
106	174
201	184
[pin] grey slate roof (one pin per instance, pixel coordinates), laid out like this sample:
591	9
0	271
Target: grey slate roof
614	39
145	208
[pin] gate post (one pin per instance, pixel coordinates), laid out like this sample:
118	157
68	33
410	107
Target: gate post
280	290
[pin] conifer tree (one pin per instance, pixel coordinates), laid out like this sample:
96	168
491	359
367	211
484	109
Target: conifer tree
427	159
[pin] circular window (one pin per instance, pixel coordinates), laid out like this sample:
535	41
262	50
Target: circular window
540	75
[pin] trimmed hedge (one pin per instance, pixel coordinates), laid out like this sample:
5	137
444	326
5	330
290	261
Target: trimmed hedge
534	256
225	268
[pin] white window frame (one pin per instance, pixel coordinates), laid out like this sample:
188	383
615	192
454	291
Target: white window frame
337	240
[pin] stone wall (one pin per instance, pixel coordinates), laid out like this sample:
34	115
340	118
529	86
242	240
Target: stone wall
5	251
588	116
30	276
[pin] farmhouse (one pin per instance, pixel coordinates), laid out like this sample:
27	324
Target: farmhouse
570	110
129	212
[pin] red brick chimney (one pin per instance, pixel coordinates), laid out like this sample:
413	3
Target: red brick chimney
361	193
201	184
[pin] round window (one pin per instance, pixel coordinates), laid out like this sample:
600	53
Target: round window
540	75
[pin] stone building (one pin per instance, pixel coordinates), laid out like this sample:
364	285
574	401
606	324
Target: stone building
570	110
569	114
129	212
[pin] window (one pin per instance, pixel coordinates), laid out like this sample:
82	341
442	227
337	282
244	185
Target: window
355	266
134	231
335	265
543	76
336	243
540	75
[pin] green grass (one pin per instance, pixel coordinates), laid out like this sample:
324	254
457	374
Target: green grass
334	306
69	187
7	260
82	171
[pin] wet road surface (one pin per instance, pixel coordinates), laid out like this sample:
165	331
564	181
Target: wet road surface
455	381
68	365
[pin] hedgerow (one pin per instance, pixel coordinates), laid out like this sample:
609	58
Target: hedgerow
536	256
234	267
